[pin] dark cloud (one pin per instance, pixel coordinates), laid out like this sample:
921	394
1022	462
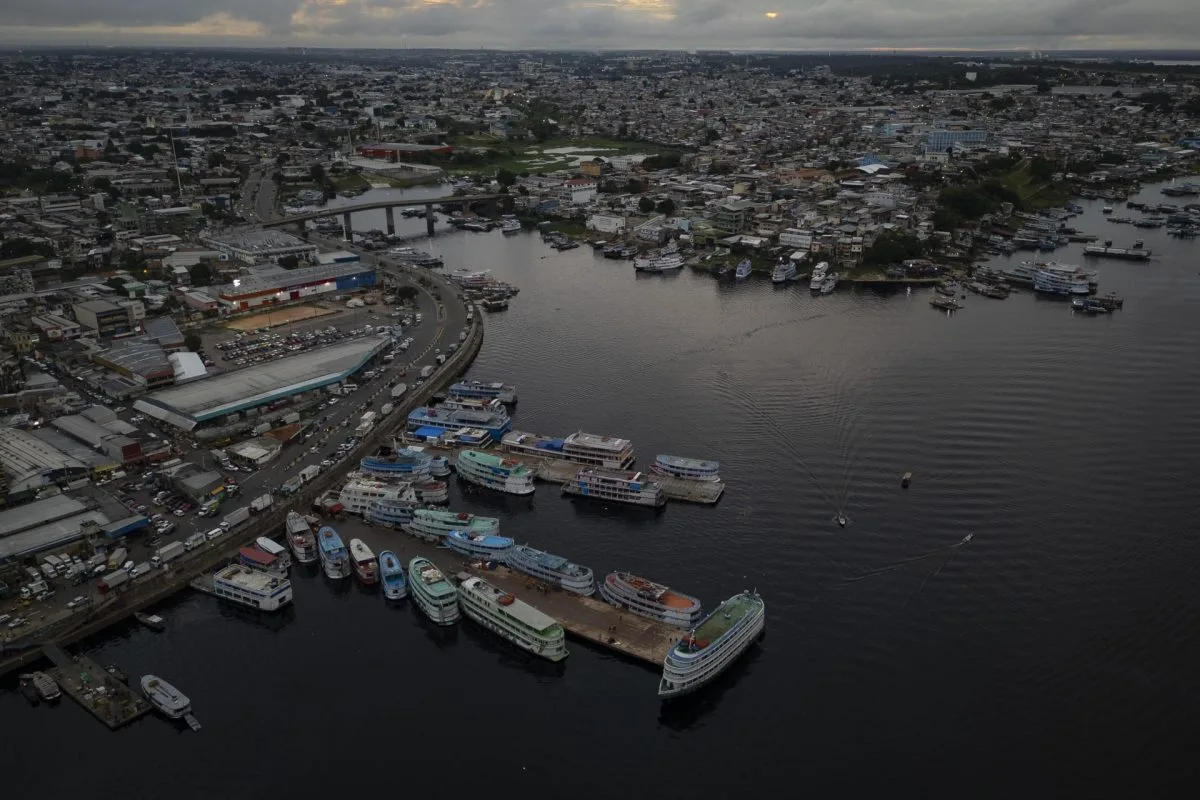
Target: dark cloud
797	24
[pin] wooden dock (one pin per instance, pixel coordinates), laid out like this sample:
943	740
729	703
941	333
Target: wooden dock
109	700
585	617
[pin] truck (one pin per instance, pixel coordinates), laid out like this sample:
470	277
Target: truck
309	472
49	571
140	570
113	579
398	390
292	485
194	541
236	517
167	553
261	428
260	503
366	423
426	372
386	409
441	359
291	419
116	558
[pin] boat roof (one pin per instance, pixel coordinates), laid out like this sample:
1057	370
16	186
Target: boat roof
483	539
546	560
519	609
252	579
680	461
598	442
728	614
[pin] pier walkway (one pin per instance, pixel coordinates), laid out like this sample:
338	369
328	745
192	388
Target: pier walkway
587	618
109	700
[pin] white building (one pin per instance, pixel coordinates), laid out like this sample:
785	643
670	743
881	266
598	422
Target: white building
579	191
606	223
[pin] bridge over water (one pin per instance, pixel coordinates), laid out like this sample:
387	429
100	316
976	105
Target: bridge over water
389	207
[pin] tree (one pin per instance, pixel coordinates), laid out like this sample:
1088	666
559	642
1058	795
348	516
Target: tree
317	173
666	206
216	160
645	205
505	178
193	342
893	247
21	247
407	293
200	274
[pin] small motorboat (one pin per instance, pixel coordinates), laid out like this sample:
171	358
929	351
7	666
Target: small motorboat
841	520
152	621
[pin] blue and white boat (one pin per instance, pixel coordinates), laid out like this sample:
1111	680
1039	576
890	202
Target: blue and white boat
712	646
784	271
818	276
392	576
480	545
552	569
407	463
742	271
1060	279
433	524
437	418
439	466
485	390
335	558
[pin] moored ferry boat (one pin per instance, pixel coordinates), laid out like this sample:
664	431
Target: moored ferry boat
784	271
478	545
515	620
252	587
391	574
335	559
439	466
510	224
405	462
505	475
692	469
395	512
269	545
649	599
166	698
620	487
742	270
552	569
300	538
433	593
1060	279
487	390
480	405
452	420
363	559
431	523
713	645
431	491
609	452
658	262
818	276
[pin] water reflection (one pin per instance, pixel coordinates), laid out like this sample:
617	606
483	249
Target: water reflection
509	656
273	621
587	507
495	501
443	637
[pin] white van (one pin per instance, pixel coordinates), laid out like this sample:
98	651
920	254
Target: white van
214	533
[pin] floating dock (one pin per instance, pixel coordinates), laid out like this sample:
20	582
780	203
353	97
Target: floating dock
587	618
108	699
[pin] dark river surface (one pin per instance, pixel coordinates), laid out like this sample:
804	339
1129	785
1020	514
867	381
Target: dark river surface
1053	655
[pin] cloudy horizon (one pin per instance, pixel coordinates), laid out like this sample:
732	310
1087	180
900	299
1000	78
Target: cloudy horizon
778	25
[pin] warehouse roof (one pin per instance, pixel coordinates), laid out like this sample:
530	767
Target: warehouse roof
23	455
50	535
221	395
31	515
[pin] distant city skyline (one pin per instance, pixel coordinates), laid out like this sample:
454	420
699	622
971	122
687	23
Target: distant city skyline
796	25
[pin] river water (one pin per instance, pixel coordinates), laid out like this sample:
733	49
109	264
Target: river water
1052	655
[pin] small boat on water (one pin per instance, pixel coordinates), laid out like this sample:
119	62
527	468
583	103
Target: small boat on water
363	561
43	686
166	698
392	576
742	271
152	621
945	303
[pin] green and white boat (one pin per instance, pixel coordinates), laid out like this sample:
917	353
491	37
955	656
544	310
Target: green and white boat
515	620
432	591
713	645
502	474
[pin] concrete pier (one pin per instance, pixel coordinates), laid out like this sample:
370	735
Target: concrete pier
390	212
107	699
588	618
430	218
347	229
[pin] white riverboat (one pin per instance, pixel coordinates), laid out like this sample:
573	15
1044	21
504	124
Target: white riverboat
590	449
634	488
166	698
513	619
435	524
552	569
479	545
502	474
690	469
712	646
255	588
651	600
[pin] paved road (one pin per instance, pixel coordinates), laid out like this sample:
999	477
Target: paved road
441	325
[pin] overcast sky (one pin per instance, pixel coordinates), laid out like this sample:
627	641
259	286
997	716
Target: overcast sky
632	24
